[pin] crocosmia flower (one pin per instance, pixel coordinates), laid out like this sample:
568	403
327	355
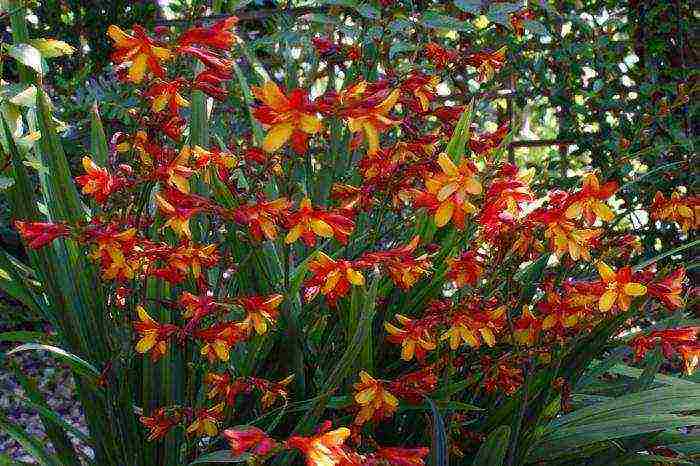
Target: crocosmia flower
288	117
415	337
97	182
308	222
449	192
39	234
323	449
206	421
620	288
331	278
261	312
154	336
375	401
140	50
248	439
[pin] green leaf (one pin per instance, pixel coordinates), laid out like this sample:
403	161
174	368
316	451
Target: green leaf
98	139
58	419
438	436
27	55
23	336
30	444
23	95
469	6
400	47
460	137
536	27
221	456
51	48
671	399
78	364
565	439
434	20
494	449
369	12
6	183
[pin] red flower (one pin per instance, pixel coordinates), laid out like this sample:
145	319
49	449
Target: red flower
466	269
138	49
220	66
261	312
487	63
395	456
404	269
159	422
196	308
211	83
308	222
332	278
166	94
325	448
439	56
39	234
262	218
669	289
249	439
218	36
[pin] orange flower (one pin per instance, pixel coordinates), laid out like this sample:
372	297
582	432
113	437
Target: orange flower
589	201
262	218
415	338
691	357
223	387
218	36
331	278
159	422
288	117
439	56
526	328
192	257
271	391
465	269
154	336
218	340
97	181
683	341
138	49
167	94
39	234
117	253
669	289
371	117
474	328
402	456
487	63
323	449
449	192
249	439
308	223
177	172
421	87
563	235
221	160
559	313
375	401
261	312
684	210
404	269
619	287
206	421
178	208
